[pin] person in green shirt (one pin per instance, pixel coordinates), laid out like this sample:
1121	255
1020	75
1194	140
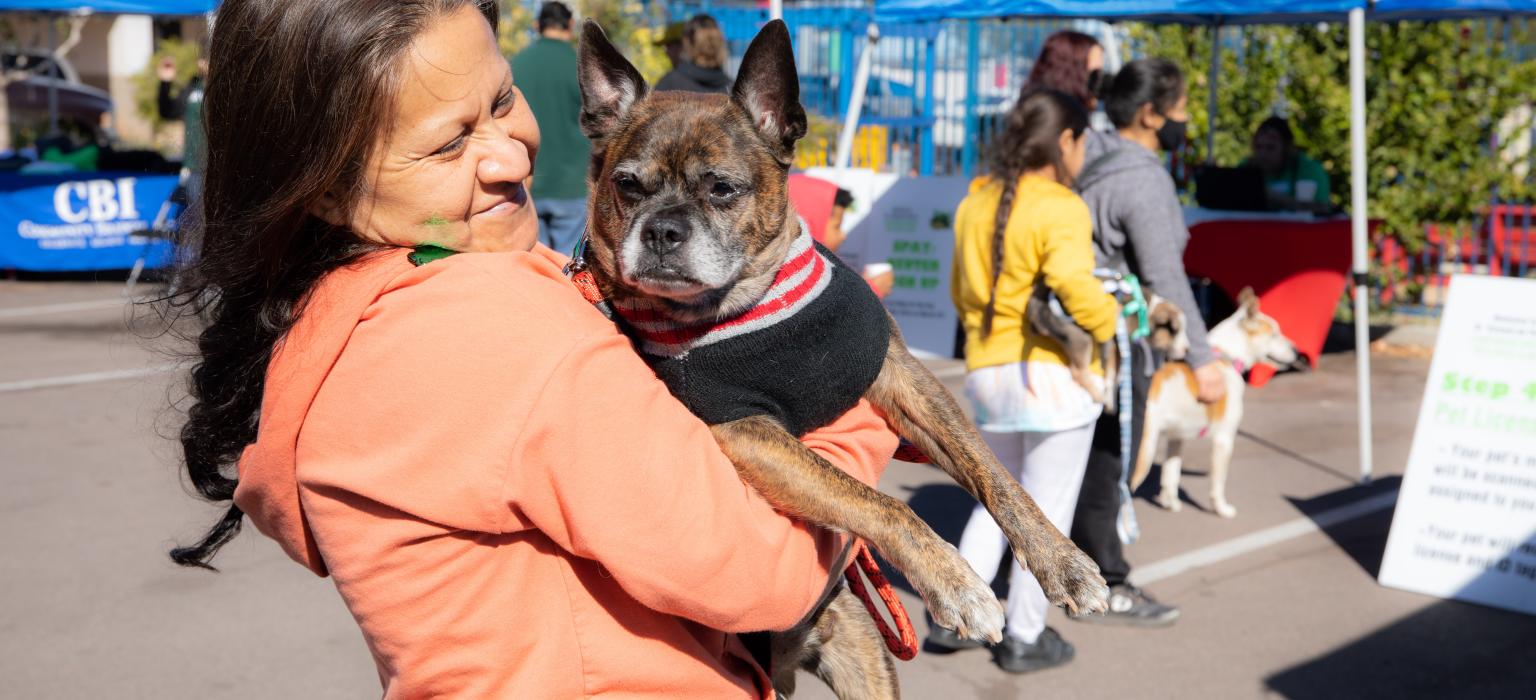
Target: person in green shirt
545	72
186	105
1294	181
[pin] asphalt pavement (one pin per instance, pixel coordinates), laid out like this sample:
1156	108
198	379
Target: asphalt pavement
1278	602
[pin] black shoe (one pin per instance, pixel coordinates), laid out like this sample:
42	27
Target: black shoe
1129	605
1015	656
945	641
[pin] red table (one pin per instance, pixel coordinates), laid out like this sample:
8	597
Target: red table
1299	269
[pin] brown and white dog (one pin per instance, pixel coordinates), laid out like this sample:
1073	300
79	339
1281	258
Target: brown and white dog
1245	339
693	242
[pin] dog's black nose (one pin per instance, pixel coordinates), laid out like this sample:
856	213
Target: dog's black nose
665	232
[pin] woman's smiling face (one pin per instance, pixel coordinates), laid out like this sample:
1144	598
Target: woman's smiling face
453	170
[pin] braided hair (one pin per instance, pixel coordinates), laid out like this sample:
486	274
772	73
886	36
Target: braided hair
1030	140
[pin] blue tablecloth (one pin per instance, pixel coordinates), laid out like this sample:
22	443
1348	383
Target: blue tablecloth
81	221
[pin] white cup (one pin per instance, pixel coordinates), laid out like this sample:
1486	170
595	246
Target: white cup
1306	190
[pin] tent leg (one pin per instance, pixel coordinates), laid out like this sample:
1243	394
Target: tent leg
1360	226
1210	94
856	100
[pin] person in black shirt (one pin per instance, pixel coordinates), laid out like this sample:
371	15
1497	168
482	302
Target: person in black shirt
187	106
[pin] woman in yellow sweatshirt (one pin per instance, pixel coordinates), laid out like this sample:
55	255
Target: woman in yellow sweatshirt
1022	223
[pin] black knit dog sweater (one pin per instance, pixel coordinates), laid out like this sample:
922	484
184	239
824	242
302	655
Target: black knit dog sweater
805	354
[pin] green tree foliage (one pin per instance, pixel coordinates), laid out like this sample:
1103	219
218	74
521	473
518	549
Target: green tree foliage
516	28
1436	94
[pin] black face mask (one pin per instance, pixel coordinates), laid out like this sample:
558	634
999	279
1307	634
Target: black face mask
1098	83
1171	136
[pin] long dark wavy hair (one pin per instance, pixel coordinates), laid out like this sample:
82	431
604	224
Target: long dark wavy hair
1063	65
1030	140
295	89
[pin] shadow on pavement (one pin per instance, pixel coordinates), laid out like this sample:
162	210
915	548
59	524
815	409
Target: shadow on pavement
1447	650
1365	538
1295	456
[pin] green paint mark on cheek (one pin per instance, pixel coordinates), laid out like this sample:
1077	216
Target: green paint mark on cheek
437	232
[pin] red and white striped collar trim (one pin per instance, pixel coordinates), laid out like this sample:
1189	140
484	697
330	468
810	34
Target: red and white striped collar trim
804	275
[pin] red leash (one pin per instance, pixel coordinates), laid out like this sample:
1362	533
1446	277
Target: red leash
903	640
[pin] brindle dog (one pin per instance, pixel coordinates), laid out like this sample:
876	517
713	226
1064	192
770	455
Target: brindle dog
689	208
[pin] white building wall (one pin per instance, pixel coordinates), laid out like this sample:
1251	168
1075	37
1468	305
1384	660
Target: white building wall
130	45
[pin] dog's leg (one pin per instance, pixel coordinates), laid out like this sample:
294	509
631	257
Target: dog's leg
801	483
843	648
1173	465
1221	458
923	412
1146	452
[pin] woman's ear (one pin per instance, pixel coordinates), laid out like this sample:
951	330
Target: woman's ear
1148	118
1066	143
328	208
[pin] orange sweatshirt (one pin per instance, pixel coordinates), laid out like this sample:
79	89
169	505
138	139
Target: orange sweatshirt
510	502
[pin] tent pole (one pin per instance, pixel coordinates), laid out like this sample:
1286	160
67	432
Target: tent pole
1360	226
1210	95
856	100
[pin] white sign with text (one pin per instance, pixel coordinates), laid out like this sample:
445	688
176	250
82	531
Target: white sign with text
1465	524
911	227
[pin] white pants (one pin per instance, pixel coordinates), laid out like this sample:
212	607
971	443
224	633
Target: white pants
1050	467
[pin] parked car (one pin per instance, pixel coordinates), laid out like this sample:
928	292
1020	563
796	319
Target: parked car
27	95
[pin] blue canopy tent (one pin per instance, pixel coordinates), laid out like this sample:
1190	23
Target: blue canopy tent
88	7
1235	12
1448	9
1175	11
85	221
119	7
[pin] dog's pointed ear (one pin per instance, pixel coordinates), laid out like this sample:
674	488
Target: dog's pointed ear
1248	302
768	88
610	85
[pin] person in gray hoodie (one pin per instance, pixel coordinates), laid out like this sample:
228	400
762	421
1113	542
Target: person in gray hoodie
1138	228
702	65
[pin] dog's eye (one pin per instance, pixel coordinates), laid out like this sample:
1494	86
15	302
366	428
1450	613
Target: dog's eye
628	185
722	190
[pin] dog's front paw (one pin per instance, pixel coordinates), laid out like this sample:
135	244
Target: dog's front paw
958	599
1225	509
1071	580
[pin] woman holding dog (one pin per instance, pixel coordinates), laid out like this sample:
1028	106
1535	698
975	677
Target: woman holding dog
508	500
1138	229
1019	226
